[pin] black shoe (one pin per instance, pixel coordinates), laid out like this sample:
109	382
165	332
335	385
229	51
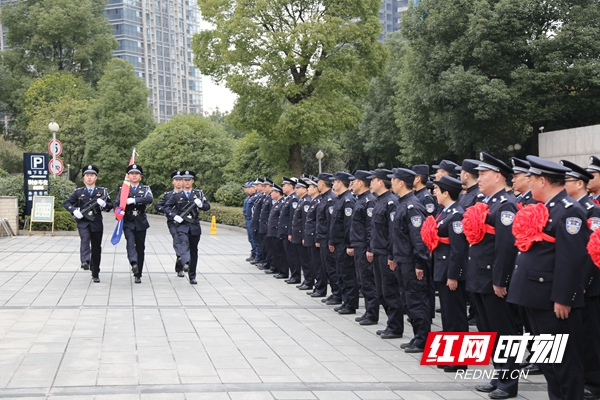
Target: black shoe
293	281
255	261
178	264
304	287
381	331
438	310
390	335
327	299
405	345
193	281
367	321
85	266
359	318
281	276
533	369
265	268
454	368
588	395
487	388
347	310
96	279
338	308
333	302
250	259
186	268
134	268
138	279
269	271
313	294
180	274
500	394
414	349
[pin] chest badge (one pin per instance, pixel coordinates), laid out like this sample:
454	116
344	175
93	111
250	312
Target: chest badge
348	211
330	209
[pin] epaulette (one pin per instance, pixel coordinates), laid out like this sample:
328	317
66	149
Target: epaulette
567	203
481	196
454	211
329	199
410	206
503	199
588	205
347	200
390	202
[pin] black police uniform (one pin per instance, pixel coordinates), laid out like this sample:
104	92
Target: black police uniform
255	224
263	223
298	222
160	207
275	252
328	271
189	230
247	211
309	236
284	229
470	197
428	201
386	281
90	231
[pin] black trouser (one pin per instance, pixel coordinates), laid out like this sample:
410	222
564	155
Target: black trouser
330	268
276	255
431	291
293	262
188	248
367	280
347	270
305	264
565	380
388	289
318	270
454	307
591	333
416	297
264	247
175	236
90	249
136	246
495	315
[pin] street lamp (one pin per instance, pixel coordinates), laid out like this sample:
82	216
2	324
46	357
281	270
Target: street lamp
381	165
53	126
319	156
515	147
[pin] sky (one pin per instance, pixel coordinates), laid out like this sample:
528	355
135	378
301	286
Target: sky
214	96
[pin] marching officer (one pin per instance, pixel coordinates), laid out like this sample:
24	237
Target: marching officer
183	209
328	271
298	223
86	204
135	222
176	179
547	277
309	236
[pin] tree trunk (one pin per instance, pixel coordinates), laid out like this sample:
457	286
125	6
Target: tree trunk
295	160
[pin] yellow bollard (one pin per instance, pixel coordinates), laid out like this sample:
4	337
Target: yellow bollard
213	226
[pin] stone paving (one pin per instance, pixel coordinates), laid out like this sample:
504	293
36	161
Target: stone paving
238	334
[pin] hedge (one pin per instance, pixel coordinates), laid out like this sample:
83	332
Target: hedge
225	215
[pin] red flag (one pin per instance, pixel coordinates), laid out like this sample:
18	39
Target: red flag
120	209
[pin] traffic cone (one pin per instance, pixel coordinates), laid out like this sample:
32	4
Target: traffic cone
213	226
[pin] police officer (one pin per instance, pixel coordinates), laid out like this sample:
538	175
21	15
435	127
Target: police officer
339	241
290	203
86	204
445	167
411	257
275	250
521	181
135	222
250	191
594	184
160	207
386	281
309	236
420	188
183	209
576	182
468	178
298	223
547	277
263	224
450	258
491	262
328	272
360	238
259	257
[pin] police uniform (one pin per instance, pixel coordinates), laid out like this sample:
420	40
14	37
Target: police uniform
491	262
275	250
551	272
160	207
411	254
89	202
298	222
328	272
594	167
254	225
263	223
247	212
284	229
386	281
471	194
309	237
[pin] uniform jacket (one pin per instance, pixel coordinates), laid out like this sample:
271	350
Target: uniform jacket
428	201
160	206
360	229
552	272
491	261
309	234
526	198
290	203
247	207
79	198
299	218
324	209
135	214
591	275
176	206
341	218
450	260
381	227
256	208
470	197
407	243
274	214
265	212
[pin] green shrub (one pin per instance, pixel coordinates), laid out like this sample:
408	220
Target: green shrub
13	186
60	188
230	194
4	174
63	221
225	215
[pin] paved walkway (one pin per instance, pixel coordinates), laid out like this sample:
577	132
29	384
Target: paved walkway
238	334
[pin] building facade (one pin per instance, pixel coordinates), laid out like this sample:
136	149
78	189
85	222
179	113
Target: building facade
390	14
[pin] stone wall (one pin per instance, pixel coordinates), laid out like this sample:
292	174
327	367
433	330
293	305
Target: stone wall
9	209
576	145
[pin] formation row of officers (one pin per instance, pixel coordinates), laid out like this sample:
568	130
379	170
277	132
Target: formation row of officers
512	242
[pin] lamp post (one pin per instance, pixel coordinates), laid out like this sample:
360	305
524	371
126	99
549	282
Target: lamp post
319	156
53	126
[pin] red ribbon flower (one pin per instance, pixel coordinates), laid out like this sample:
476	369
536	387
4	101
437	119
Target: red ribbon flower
474	224
529	224
593	247
429	233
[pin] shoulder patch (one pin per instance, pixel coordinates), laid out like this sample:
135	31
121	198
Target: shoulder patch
416	221
294	205
594	223
457	227
330	209
306	207
348	211
507	217
573	225
370	212
503	199
392	215
567	204
588	205
430	208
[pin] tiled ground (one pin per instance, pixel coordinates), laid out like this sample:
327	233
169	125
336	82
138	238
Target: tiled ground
238	334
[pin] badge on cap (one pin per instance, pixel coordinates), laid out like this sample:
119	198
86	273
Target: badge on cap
481	156
430	208
573	225
594	223
507	217
348	211
89	167
370	212
416	221
457	227
134	166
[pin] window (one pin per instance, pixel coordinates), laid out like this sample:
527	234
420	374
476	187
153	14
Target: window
168	81
168	95
160	65
159	50
161	80
161	94
169	110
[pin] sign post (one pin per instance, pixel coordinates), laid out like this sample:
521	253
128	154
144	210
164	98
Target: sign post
42	211
36	177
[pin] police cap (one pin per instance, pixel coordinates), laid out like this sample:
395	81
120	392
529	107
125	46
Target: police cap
404	174
89	169
520	166
448	166
188	174
469	165
594	164
176	174
362	175
421	169
135	168
380	174
491	163
577	172
449	184
548	168
276	187
342	176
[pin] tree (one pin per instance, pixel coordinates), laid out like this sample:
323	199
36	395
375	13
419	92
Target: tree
480	75
255	156
297	66
57	35
119	120
186	142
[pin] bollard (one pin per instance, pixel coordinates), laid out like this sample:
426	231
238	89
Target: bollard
213	226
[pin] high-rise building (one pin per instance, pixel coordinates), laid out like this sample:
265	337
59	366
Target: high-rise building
389	15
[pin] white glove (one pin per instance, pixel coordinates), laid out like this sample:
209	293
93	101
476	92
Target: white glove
77	214
178	219
101	203
130	200
198	202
